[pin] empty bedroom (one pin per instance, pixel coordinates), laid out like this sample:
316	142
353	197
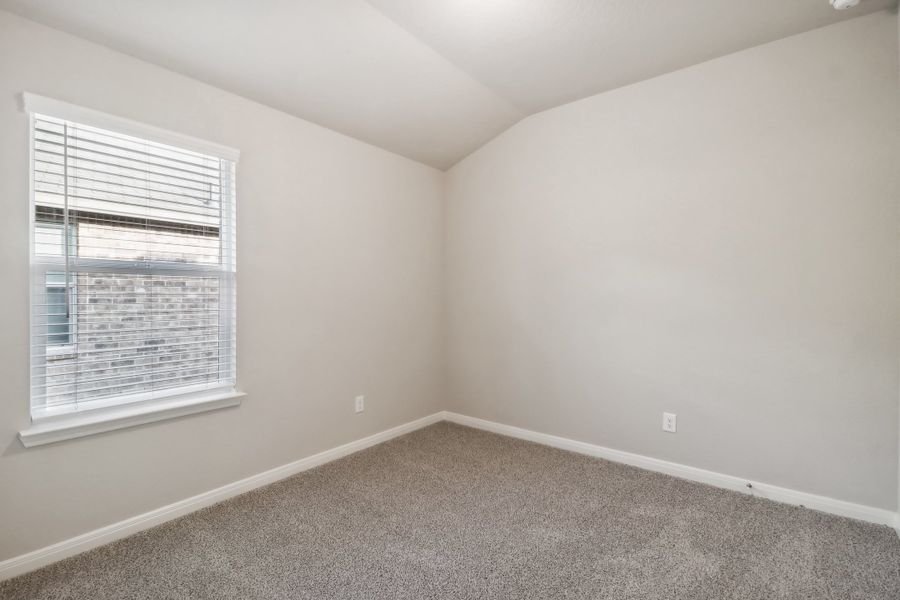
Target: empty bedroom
456	299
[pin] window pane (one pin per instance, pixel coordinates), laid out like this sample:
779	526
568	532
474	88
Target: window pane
151	265
48	234
142	333
58	324
120	240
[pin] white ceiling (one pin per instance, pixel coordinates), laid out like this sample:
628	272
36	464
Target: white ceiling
429	79
538	54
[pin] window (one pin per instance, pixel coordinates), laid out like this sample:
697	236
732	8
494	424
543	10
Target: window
133	263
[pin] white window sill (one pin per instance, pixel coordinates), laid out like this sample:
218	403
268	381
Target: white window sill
50	430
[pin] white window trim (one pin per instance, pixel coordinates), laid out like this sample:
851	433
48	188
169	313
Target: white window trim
50	429
50	425
34	103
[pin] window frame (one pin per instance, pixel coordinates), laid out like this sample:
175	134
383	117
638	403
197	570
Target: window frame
68	420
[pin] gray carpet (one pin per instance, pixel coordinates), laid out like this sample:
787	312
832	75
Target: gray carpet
451	512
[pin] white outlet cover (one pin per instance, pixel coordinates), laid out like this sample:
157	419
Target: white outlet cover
669	422
360	404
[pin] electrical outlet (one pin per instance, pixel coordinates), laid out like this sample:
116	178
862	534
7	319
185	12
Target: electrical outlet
669	422
360	403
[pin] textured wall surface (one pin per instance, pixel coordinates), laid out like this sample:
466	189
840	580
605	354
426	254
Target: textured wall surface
720	242
338	294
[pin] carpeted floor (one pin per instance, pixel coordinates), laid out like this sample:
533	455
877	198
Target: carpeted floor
451	512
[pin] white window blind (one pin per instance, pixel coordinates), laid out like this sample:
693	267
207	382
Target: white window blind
133	268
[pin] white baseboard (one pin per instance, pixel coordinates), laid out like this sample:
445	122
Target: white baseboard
737	484
92	539
76	545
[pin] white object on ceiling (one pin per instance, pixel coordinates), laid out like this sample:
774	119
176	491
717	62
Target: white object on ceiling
429	79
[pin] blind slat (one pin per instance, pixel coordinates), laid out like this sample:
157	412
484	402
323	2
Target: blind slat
172	346
108	361
97	161
155	385
138	157
47	166
165	369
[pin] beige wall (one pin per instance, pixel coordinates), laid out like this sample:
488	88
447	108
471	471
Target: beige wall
339	283
720	242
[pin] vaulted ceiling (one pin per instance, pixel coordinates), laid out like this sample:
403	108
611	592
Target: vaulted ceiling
429	79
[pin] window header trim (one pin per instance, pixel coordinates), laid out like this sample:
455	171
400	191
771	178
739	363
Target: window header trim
35	104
